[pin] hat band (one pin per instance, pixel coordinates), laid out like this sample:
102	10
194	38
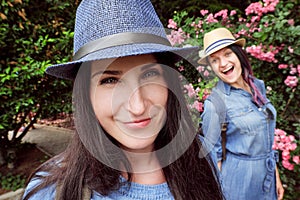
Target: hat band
217	44
118	40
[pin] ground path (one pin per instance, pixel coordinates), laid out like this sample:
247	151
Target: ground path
49	139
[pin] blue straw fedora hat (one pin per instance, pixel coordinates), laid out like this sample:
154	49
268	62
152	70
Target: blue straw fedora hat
115	28
216	40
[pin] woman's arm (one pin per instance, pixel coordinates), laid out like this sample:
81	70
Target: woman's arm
220	165
212	130
279	187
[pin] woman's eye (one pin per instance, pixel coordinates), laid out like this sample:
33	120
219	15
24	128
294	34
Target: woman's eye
151	73
228	53
213	61
109	80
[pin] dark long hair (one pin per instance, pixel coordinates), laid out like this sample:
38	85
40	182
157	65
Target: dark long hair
191	176
247	73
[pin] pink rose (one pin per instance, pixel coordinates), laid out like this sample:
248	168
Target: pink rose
190	90
296	159
210	19
291	81
172	24
282	66
292	138
286	155
292	146
203	12
206	73
291	50
291	22
198	106
233	12
286	164
200	68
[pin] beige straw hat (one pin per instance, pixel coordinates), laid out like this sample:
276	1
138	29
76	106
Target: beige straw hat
215	40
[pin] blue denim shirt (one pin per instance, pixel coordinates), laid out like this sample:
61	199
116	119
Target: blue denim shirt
250	134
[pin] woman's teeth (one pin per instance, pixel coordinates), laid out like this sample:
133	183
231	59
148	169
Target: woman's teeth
227	70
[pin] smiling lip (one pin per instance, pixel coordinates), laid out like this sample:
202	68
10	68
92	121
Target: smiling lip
138	123
228	70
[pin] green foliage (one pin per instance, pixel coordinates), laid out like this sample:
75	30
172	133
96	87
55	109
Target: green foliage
276	32
166	9
34	35
12	182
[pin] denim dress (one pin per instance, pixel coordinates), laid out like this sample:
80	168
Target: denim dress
248	171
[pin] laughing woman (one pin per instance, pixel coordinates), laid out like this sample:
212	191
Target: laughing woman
244	154
134	135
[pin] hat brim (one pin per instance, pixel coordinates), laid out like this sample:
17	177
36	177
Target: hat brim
241	42
69	70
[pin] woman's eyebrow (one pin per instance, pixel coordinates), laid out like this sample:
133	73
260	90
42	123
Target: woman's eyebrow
146	66
116	72
109	72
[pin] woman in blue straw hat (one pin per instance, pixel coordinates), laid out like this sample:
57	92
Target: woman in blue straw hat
134	137
239	121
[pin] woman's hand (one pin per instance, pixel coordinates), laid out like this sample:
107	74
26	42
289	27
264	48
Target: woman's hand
279	187
220	165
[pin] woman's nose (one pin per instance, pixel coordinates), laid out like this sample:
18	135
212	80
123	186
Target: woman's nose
136	102
223	61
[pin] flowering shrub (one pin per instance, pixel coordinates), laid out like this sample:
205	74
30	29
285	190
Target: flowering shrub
290	160
272	30
287	144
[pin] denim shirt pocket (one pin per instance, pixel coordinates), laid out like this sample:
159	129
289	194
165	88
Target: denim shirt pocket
247	120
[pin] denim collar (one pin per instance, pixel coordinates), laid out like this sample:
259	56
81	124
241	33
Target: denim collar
226	88
223	87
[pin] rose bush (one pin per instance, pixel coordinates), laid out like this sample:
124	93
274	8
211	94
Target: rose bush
272	30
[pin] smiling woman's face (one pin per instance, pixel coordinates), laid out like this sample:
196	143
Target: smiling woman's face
129	98
227	67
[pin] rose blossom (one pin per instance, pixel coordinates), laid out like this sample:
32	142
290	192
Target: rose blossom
296	159
291	81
